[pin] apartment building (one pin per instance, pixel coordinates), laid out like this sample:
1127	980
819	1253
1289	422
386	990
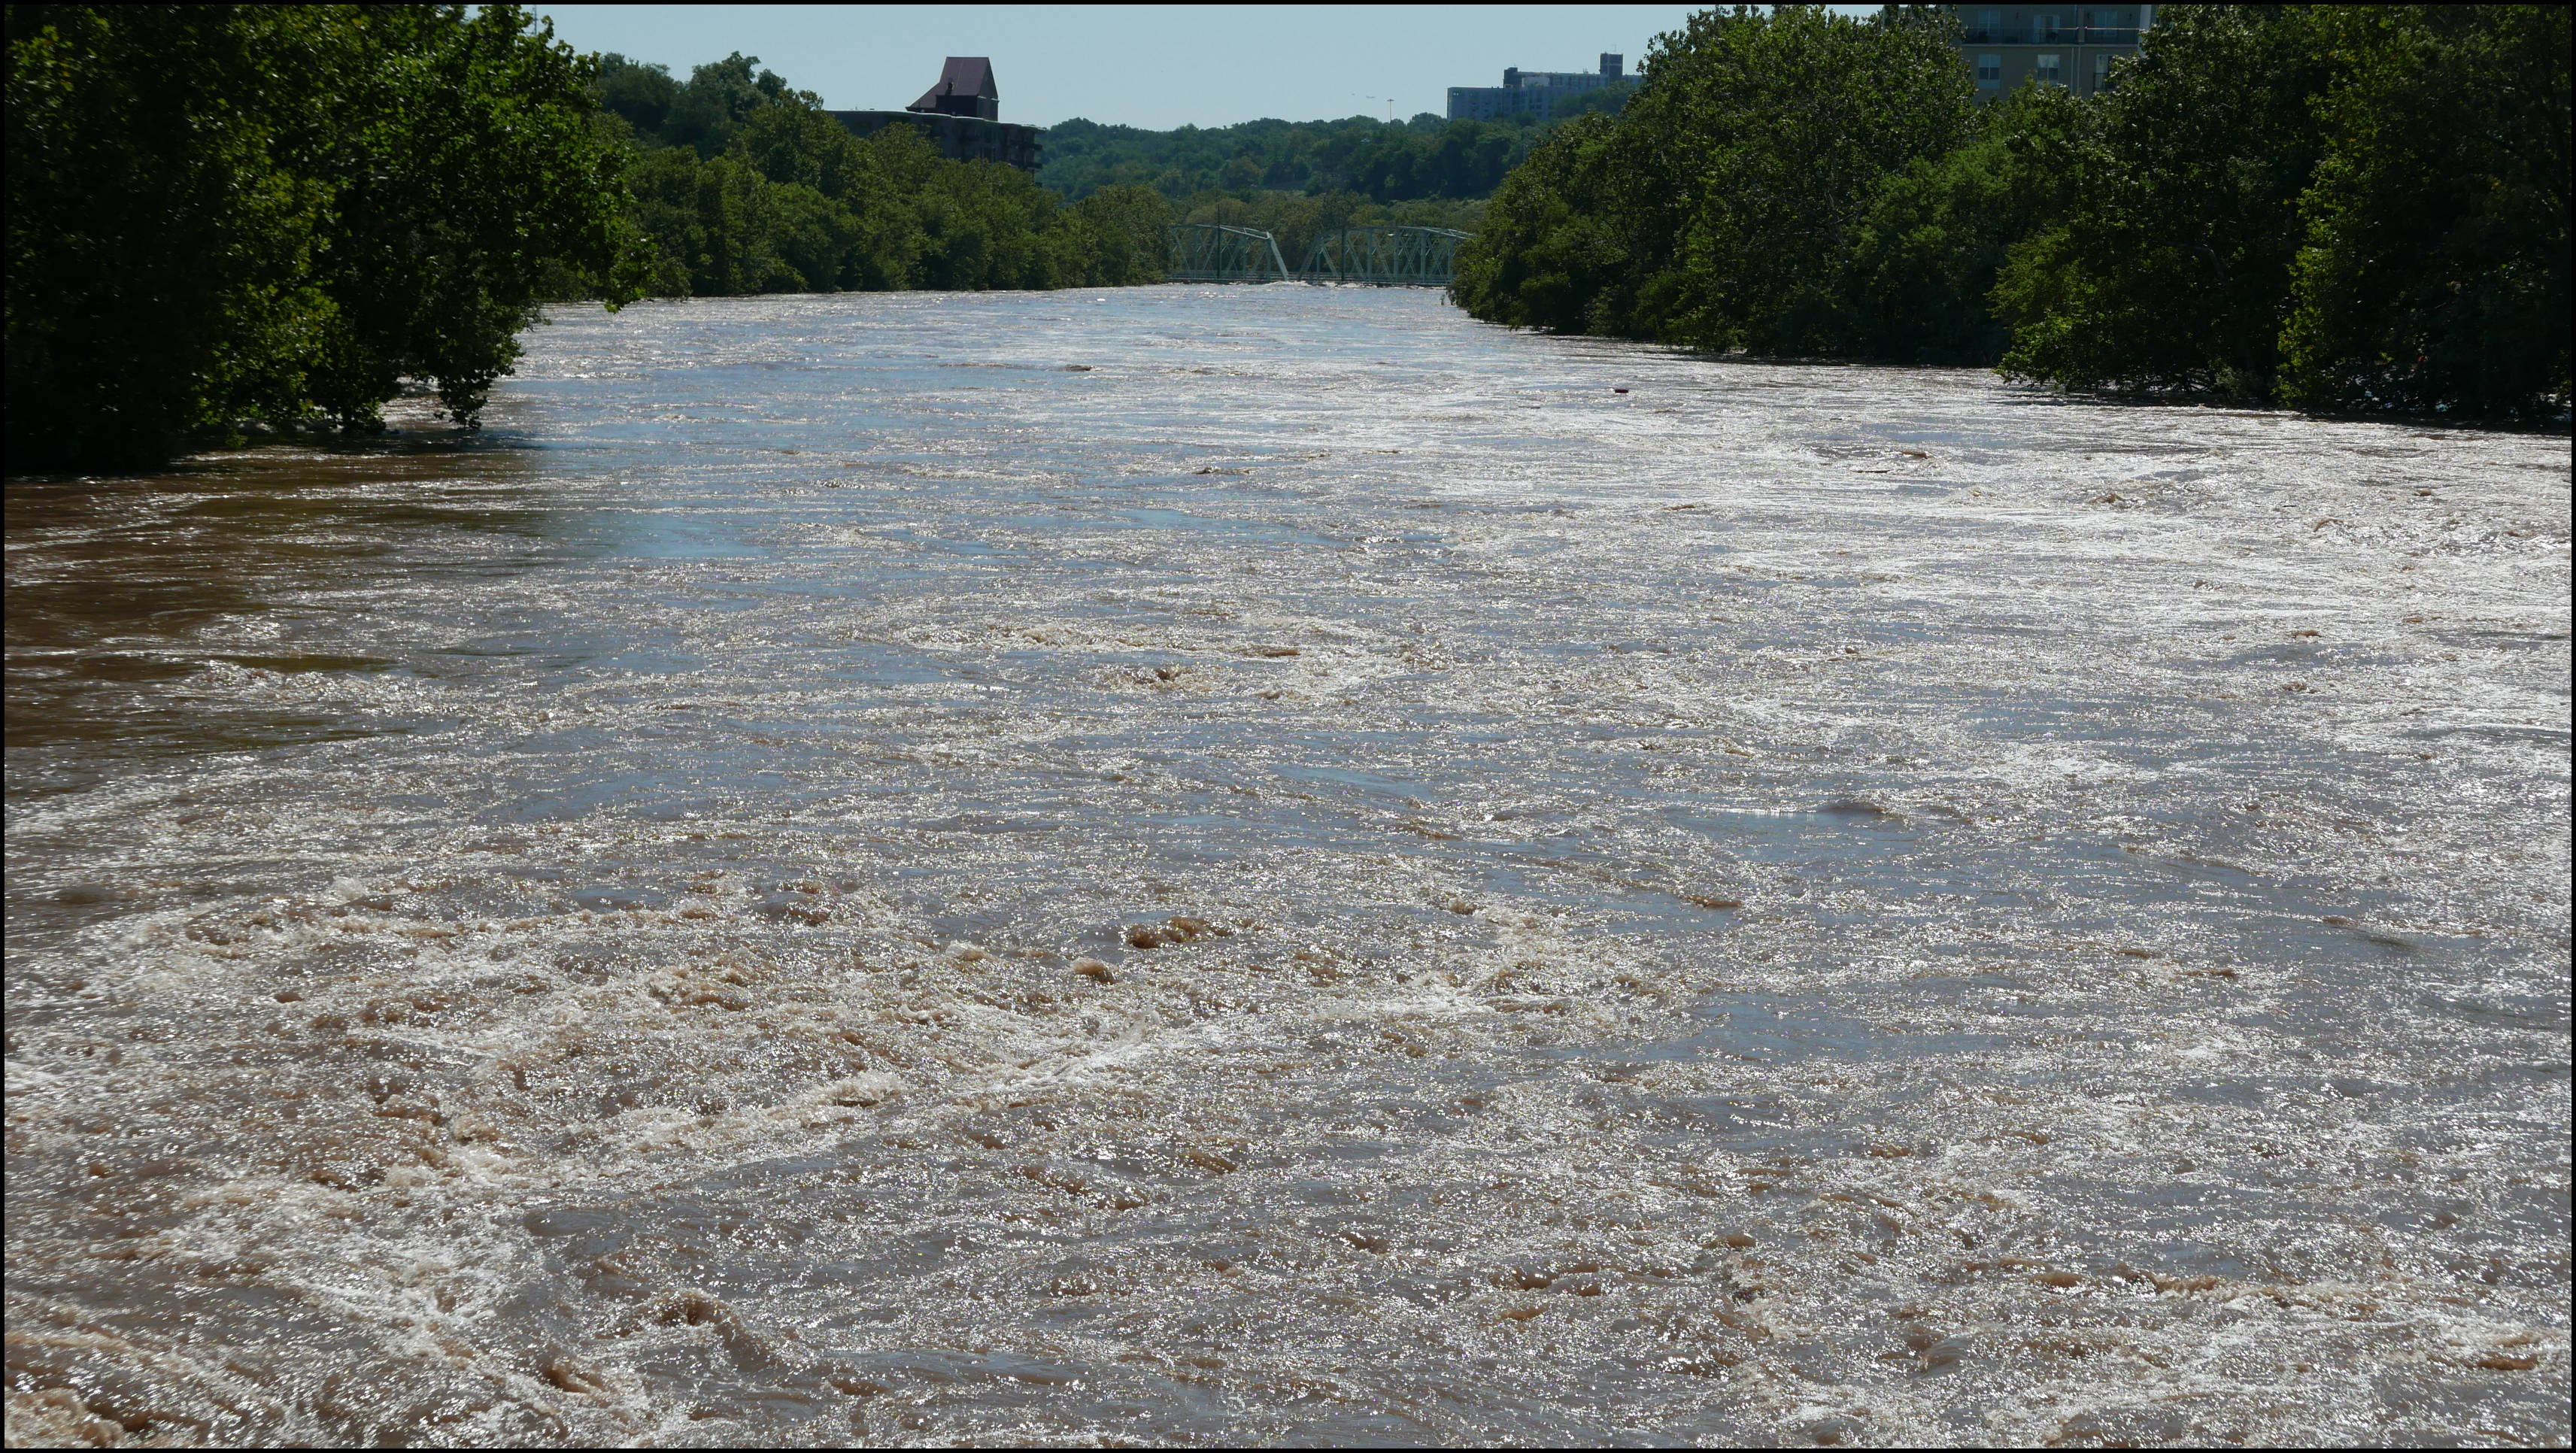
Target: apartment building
2057	45
1532	93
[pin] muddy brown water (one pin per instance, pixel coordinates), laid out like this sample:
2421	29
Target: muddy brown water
1274	865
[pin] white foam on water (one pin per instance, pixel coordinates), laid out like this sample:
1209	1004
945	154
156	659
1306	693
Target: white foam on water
1910	949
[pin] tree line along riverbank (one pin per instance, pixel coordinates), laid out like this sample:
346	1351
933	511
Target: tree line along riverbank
1421	159
229	217
742	184
2335	207
746	185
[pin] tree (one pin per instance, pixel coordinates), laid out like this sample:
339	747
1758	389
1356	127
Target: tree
643	95
222	215
1556	251
1720	206
1790	121
161	236
720	96
1422	158
465	164
2347	207
2434	270
1928	248
1125	231
2170	268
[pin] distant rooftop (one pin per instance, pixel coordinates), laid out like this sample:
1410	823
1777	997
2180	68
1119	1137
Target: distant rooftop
962	116
965	89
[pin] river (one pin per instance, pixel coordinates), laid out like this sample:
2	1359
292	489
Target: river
1221	865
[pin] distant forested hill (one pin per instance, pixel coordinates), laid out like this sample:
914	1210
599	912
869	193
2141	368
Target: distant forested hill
1385	161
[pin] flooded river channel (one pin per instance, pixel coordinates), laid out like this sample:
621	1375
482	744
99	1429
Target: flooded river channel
1277	865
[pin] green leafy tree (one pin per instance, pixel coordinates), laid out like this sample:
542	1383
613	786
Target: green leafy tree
642	95
466	166
161	236
1719	208
2350	207
2434	271
1386	161
728	224
1124	231
1928	248
2170	269
1789	122
718	99
1560	248
222	215
794	202
894	214
1600	101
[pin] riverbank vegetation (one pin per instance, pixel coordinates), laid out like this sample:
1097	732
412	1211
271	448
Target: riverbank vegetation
743	184
1300	180
1383	161
222	215
226	218
2336	207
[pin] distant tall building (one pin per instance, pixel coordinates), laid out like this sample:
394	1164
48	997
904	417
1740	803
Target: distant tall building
1531	93
962	116
2056	45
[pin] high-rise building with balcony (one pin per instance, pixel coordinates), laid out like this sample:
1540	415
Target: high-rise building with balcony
2073	46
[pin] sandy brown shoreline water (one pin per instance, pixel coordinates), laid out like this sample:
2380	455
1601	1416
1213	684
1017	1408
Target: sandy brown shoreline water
1276	865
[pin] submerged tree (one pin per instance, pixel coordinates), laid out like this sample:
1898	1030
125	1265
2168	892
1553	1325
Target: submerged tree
1718	208
2169	267
2336	206
2434	271
227	214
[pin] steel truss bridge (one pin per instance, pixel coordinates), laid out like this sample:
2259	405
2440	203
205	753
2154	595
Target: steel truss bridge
1419	257
1394	257
1202	253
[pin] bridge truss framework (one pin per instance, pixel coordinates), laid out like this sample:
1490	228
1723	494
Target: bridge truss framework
1396	257
1205	253
1419	257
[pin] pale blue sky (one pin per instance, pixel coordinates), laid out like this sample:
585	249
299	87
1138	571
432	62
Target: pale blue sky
1157	66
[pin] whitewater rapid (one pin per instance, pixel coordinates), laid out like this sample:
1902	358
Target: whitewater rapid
1277	865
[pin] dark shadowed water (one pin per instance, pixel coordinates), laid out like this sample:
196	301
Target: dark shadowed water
1275	865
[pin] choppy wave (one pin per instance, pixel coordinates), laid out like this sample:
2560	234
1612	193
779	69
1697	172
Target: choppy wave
1325	877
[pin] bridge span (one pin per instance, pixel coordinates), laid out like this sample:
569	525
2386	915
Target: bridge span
1415	257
